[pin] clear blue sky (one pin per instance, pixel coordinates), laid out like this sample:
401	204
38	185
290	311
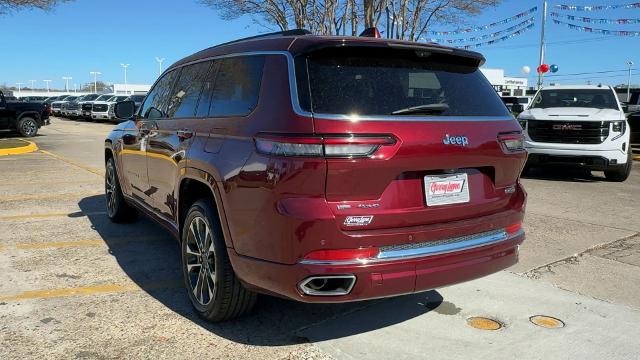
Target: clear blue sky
86	35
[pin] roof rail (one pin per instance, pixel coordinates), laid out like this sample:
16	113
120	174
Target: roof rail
294	32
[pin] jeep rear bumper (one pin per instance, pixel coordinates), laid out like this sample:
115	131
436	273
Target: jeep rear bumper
379	279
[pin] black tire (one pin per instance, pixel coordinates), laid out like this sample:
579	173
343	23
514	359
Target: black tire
118	210
224	297
621	174
27	127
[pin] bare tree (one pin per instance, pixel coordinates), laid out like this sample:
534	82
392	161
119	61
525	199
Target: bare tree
405	19
7	6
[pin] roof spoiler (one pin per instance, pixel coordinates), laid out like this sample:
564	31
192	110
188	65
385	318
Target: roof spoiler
476	58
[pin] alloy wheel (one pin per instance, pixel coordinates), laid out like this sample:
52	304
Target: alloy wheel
29	127
200	261
110	188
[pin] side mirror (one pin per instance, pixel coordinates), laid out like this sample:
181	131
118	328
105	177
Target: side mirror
124	110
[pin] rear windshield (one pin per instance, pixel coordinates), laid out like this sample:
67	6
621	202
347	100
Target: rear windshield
384	82
585	98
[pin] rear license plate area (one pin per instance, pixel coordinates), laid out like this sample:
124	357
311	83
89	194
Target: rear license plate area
446	189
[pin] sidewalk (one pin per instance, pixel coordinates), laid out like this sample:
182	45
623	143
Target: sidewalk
594	329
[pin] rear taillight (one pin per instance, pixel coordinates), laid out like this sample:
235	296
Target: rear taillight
361	254
511	142
512	229
353	146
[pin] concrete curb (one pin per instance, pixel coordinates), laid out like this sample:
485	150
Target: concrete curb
29	147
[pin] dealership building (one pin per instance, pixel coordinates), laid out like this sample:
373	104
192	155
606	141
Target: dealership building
506	85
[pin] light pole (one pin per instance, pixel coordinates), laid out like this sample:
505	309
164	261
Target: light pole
95	80
66	83
544	21
125	66
33	85
159	60
630	64
19	85
75	88
47	82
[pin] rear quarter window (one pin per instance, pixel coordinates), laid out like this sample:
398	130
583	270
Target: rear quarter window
382	82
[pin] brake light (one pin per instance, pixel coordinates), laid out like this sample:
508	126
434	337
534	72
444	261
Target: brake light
512	229
511	142
343	254
323	146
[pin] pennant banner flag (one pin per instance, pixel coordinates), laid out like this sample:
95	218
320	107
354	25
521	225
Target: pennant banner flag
485	27
597	31
596	21
529	21
499	39
597	7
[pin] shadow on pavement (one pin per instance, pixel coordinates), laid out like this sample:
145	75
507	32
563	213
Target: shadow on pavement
150	256
562	173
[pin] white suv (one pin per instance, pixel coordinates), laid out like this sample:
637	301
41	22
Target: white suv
578	124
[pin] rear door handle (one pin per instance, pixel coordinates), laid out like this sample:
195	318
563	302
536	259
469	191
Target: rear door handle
184	134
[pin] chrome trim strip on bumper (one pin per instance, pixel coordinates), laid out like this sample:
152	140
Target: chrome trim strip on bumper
429	249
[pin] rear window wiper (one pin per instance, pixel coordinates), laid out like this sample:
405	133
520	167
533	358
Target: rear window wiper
423	109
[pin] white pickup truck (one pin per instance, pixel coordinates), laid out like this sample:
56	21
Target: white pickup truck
578	124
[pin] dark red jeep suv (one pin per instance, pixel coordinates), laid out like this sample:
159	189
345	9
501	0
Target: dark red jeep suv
322	169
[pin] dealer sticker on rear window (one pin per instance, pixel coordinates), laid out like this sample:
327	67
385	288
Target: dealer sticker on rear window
446	189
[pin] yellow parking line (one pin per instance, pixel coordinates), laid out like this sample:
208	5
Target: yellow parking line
30	147
91	290
27	197
50	215
74	163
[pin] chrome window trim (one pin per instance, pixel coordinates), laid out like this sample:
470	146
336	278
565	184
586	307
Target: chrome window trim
426	251
295	102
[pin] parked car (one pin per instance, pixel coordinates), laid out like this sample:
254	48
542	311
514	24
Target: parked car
33	98
582	125
74	108
88	105
103	110
137	99
56	106
322	169
633	105
516	104
23	117
634	128
64	111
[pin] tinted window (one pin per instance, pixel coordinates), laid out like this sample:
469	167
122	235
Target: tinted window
90	97
156	104
187	90
369	81
587	98
236	88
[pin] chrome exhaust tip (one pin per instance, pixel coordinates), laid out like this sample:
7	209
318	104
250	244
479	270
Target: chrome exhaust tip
329	285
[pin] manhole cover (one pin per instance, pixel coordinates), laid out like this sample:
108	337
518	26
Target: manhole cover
547	322
484	323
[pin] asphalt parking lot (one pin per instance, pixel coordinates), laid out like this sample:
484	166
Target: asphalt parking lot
76	286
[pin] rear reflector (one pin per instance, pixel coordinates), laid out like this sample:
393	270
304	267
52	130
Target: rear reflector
343	254
512	142
512	229
319	146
